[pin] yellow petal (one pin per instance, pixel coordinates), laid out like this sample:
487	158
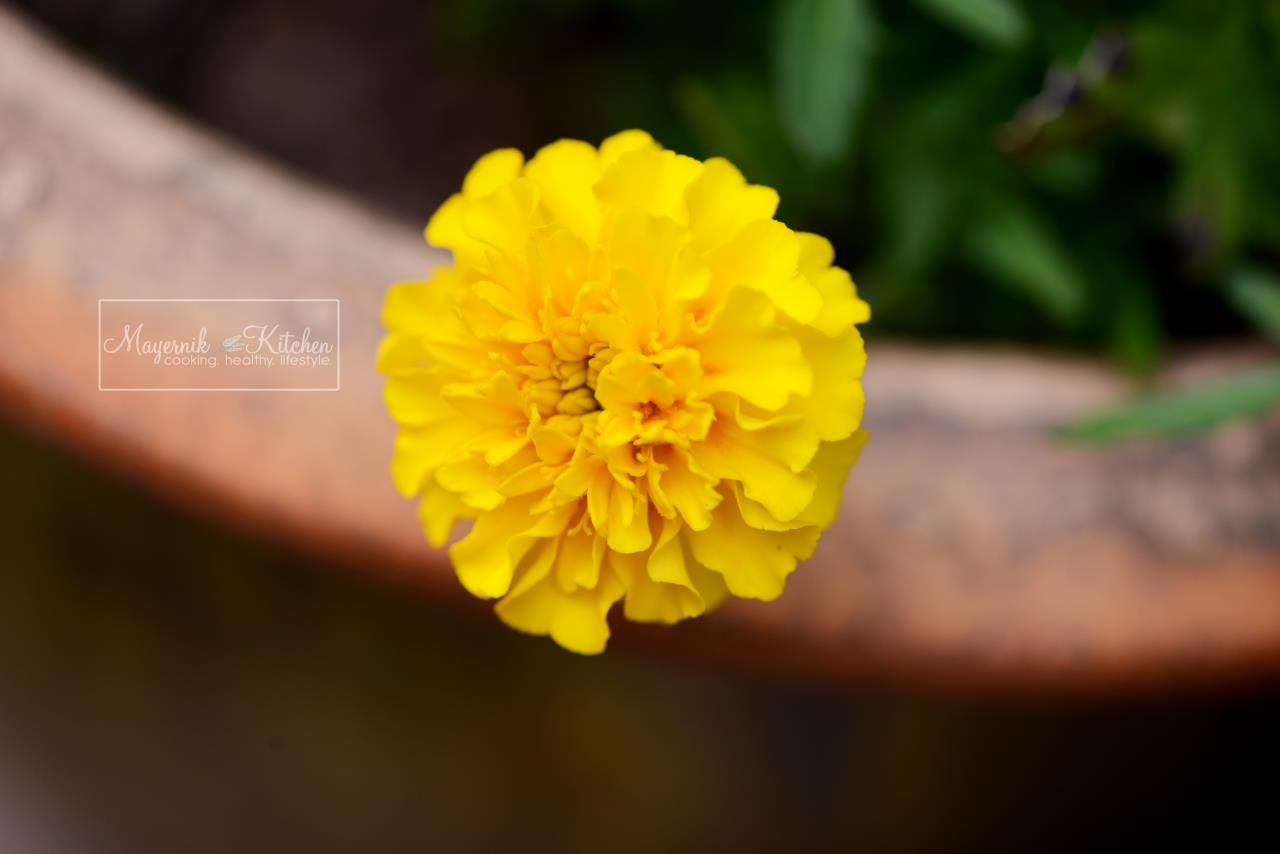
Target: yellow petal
413	397
578	563
764	256
656	252
832	462
406	307
834	405
816	253
419	451
402	353
651	180
651	599
636	308
841	306
683	486
491	172
628	522
439	510
770	463
502	219
444	229
475	481
577	621
721	203
621	143
560	263
566	173
553	447
755	564
486	558
746	353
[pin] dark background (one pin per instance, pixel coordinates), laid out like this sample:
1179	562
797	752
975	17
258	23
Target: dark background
167	687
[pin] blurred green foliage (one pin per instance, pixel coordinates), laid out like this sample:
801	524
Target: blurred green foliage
1183	412
1089	175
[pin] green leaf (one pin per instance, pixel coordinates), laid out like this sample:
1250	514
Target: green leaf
917	201
1256	294
1180	413
1022	252
995	22
823	58
1134	335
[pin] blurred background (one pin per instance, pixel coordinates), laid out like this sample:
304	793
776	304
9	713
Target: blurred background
1087	177
1087	174
1084	173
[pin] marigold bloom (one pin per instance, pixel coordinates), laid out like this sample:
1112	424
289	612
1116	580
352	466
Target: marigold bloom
638	384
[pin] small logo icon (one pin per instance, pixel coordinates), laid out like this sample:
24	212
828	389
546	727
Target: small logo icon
232	344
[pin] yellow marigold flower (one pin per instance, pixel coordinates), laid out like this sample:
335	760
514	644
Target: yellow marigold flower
636	382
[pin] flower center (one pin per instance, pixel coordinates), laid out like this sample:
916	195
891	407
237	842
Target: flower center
559	386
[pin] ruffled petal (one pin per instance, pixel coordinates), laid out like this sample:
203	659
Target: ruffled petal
754	563
566	173
745	352
721	203
576	620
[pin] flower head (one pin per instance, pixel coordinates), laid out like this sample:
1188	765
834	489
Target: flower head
637	383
